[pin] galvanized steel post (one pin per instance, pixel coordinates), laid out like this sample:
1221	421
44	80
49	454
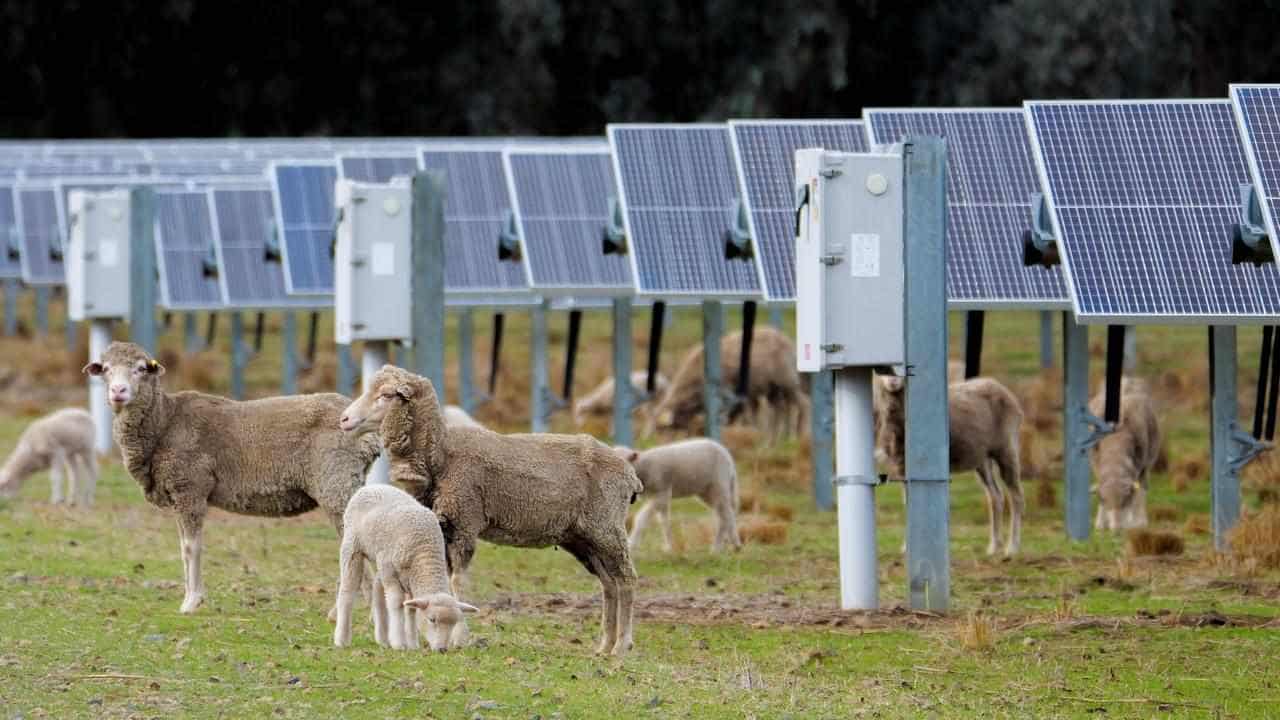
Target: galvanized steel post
466	362
1222	394
142	268
1076	431
821	433
428	278
622	401
1046	339
712	329
371	361
239	356
289	351
541	389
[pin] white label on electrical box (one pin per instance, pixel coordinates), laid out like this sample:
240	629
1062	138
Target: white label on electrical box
864	255
108	256
384	258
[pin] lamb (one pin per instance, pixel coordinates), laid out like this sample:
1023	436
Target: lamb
599	402
774	386
276	457
384	525
985	421
520	490
1122	460
455	416
62	442
701	468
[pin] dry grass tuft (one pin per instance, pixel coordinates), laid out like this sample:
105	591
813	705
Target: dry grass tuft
1031	456
1255	540
204	371
1165	513
740	439
748	501
1263	477
1162	458
1065	609
1046	494
1143	542
784	513
1042	402
977	632
1124	568
763	531
322	376
1197	524
1187	472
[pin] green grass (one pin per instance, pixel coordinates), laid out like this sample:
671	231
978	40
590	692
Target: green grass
91	628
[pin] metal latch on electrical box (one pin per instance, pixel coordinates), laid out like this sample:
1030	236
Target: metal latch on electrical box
831	347
830	173
830	260
872	480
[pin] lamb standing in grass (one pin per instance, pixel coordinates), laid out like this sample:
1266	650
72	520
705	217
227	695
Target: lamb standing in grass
61	442
276	457
520	490
455	416
599	402
1122	460
700	468
985	421
384	525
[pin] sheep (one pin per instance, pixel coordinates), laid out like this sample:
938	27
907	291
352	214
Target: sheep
384	525
455	416
774	385
276	457
61	441
599	402
701	468
985	419
520	490
1122	460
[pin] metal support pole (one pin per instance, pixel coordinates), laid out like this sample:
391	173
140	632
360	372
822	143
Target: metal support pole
289	353
855	487
973	324
540	405
495	353
1046	339
239	354
42	310
1075	429
346	369
142	268
821	431
776	318
70	329
927	443
10	307
190	334
571	354
259	325
211	330
622	371
371	361
657	322
99	339
1226	470
427	288
1130	348
712	329
466	361
312	332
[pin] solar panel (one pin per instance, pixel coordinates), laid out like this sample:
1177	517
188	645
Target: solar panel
991	176
304	204
185	255
40	253
764	153
244	228
10	244
377	168
679	191
561	198
477	209
1257	109
1144	195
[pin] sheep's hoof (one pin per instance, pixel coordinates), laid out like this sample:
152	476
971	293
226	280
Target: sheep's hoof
621	648
191	603
333	615
604	647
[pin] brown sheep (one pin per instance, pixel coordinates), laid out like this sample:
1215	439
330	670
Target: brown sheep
277	457
985	419
1122	460
520	490
599	402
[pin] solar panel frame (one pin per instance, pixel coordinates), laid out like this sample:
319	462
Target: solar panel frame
9	269
344	171
175	265
1266	274
47	271
982	275
1266	186
636	247
294	286
600	288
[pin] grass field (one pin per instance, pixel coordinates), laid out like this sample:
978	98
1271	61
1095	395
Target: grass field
90	598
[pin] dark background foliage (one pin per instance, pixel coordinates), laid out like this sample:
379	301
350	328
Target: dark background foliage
133	68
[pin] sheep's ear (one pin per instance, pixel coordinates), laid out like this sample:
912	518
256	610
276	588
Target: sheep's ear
155	368
467	607
633	456
1137	485
93	368
418	603
405	390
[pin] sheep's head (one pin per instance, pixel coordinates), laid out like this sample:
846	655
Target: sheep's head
129	373
387	388
441	619
1122	499
889	400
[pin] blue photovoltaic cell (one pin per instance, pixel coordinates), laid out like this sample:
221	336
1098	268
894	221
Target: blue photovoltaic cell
244	223
37	213
678	188
304	196
991	176
377	168
1258	112
1144	194
562	201
10	243
765	152
185	255
476	209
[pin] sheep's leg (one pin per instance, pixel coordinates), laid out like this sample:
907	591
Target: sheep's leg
1100	519
582	551
191	526
663	514
1010	475
378	610
617	564
55	477
995	506
350	578
459	553
721	501
642	519
411	641
89	484
395	611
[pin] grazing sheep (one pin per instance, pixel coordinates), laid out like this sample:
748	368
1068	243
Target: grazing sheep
599	402
455	416
384	525
701	468
62	442
276	457
1122	460
985	421
520	490
774	387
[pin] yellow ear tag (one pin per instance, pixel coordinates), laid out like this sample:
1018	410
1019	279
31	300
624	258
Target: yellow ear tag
152	365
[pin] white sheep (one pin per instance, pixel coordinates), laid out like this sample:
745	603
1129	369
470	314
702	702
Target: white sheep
385	526
700	468
455	416
62	442
599	402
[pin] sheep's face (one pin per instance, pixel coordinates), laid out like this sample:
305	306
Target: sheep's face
889	400
1123	501
128	372
389	386
441	620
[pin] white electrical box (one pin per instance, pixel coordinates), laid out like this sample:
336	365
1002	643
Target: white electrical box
850	288
371	263
97	257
